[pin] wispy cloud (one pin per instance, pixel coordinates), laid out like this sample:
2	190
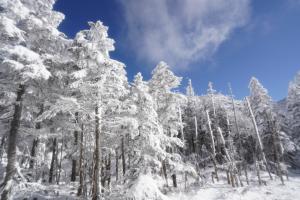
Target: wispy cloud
181	32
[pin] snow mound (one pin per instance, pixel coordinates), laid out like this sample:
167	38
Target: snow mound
146	188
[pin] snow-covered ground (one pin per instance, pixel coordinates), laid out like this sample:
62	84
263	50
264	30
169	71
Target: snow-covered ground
222	191
274	190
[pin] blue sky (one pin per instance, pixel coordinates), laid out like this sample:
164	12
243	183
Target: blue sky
204	40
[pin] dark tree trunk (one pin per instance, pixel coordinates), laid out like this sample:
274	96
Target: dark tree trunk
33	152
117	165
174	180
12	144
228	177
60	161
96	190
35	142
2	145
164	168
103	171
81	172
123	156
276	143
108	168
246	174
52	166
74	161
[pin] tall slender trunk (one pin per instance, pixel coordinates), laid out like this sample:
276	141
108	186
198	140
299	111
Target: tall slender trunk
223	144
181	125
196	136
174	178
260	145
117	165
12	145
74	161
33	152
60	161
211	134
246	174
276	143
81	172
108	171
2	145
257	170
35	142
123	156
52	166
235	121
213	156
97	159
164	169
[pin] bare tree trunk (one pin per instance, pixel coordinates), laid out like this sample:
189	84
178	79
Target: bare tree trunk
224	146
239	177
211	134
33	152
213	145
12	145
52	165
235	121
276	143
260	145
74	161
117	165
257	170
196	136
35	142
232	179
60	161
246	174
164	169
181	125
174	180
97	159
123	156
228	177
108	171
103	171
81	172
2	146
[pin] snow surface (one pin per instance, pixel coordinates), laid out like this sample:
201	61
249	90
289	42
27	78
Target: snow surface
222	191
146	188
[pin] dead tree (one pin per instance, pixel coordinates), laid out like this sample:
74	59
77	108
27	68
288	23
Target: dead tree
213	156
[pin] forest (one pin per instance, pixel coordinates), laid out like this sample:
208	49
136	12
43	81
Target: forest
73	127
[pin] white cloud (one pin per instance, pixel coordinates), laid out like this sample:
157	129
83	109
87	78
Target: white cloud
181	31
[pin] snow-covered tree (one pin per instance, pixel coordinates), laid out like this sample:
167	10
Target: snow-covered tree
168	108
267	122
29	36
293	107
148	146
